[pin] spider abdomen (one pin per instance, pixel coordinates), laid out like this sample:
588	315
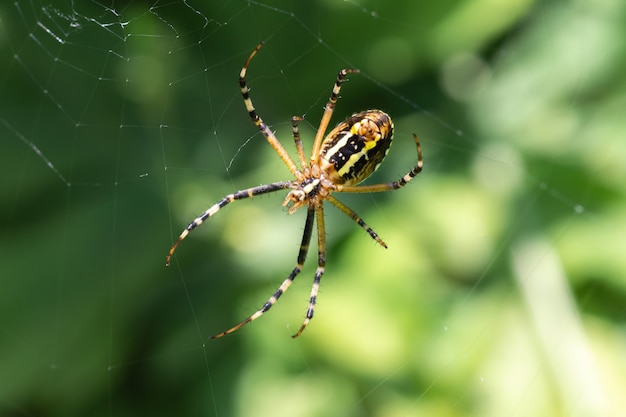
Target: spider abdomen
354	149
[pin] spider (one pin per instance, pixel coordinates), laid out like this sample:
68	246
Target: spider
349	154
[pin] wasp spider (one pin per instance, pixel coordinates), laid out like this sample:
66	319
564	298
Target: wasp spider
349	154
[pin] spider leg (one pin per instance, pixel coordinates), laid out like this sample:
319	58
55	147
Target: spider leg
390	185
304	249
321	263
271	138
296	138
347	210
328	112
239	195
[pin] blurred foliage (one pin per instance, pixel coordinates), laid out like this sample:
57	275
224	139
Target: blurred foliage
502	291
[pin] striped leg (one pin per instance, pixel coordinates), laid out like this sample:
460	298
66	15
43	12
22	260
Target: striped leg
390	185
271	138
304	249
357	219
321	264
296	138
239	195
328	112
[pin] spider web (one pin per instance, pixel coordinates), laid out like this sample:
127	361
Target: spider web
502	290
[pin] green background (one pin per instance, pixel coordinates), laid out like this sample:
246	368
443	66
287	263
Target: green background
503	290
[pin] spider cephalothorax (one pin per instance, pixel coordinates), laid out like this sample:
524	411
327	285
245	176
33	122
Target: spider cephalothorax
349	154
